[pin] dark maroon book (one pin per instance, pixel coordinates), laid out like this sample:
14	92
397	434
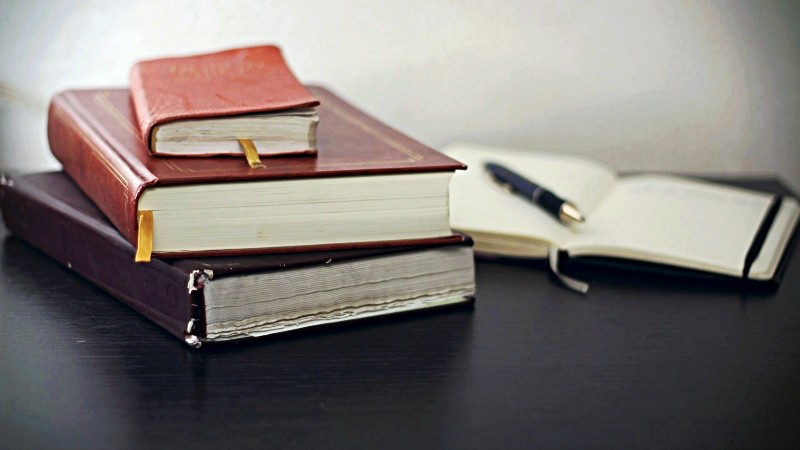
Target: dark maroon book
234	297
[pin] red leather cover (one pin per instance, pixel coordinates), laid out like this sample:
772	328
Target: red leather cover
49	211
227	83
94	135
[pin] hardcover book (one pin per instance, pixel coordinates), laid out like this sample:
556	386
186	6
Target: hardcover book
229	298
642	219
369	186
207	104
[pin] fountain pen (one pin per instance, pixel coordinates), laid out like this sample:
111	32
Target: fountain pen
512	182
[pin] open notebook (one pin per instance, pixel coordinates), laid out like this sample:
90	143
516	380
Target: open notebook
660	219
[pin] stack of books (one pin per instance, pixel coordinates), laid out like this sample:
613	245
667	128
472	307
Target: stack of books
224	200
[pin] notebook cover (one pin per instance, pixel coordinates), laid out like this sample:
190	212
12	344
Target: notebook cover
590	268
49	211
226	83
94	135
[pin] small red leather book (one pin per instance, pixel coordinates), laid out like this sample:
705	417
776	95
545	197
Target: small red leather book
203	105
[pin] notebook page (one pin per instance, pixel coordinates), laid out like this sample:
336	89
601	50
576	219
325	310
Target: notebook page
477	204
676	221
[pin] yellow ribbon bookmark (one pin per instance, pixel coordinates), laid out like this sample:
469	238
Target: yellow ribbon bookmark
144	248
251	153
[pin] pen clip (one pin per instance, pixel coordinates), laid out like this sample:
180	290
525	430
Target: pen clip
502	185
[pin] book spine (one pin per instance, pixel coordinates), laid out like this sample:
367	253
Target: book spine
94	251
142	117
101	173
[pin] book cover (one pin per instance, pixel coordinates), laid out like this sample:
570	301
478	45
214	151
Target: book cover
94	135
48	211
227	83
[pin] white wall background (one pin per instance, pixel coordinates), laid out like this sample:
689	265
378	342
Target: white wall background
709	87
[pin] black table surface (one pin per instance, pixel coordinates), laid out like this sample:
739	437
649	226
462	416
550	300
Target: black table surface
642	362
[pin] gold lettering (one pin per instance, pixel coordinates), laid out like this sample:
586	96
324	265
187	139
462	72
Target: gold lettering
214	71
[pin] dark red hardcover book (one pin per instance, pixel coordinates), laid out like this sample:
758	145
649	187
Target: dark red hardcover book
94	134
185	296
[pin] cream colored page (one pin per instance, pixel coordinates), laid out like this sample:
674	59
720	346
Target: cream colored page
478	204
675	221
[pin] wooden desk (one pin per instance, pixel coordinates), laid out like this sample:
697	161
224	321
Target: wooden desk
639	363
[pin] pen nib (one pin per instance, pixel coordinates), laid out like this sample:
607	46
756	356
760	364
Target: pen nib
569	213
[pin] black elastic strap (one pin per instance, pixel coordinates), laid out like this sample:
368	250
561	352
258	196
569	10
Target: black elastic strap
761	236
